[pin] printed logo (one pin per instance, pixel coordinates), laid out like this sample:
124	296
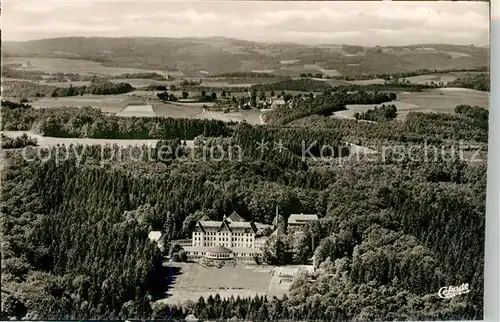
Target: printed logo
448	292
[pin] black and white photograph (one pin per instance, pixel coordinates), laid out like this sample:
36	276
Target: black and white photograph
244	160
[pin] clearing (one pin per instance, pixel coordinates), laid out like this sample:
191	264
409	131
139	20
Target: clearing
78	66
137	111
48	141
442	100
368	81
107	103
427	79
194	280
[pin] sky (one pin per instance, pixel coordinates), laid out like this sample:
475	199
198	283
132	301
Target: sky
309	22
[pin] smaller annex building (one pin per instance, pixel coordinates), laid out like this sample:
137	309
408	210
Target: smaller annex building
218	256
219	253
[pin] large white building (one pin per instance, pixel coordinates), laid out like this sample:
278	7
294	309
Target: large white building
233	237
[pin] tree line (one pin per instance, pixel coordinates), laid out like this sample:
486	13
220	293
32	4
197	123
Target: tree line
324	104
305	85
18	142
384	112
480	82
92	123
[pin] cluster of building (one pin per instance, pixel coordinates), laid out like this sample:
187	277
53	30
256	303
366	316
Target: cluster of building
234	239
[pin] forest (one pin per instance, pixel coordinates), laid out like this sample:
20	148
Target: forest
18	142
96	87
325	104
391	231
382	113
302	84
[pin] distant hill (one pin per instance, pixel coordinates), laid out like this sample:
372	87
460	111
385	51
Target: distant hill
221	55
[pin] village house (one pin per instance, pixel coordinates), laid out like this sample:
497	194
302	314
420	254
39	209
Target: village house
277	103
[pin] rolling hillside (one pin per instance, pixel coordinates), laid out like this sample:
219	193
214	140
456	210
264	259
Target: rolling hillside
219	55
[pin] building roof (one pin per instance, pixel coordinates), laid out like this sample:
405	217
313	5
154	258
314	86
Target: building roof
219	250
191	317
210	223
301	218
240	224
203	224
155	235
234	217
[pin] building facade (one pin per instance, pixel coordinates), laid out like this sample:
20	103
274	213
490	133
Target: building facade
232	233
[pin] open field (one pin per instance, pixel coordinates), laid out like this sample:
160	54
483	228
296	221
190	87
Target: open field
144	103
142	82
44	82
456	54
78	66
442	100
227	84
176	111
196	280
403	109
249	116
107	103
427	79
368	81
137	111
48	141
446	99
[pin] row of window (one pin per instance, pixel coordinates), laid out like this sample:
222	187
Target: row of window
223	234
238	245
234	239
238	255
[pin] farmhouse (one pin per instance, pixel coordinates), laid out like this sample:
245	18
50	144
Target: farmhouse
296	222
277	103
231	238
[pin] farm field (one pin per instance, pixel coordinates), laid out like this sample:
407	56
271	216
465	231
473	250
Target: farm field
44	82
436	78
249	116
188	110
142	82
368	81
227	84
137	111
176	111
77	66
196	280
48	141
442	100
107	103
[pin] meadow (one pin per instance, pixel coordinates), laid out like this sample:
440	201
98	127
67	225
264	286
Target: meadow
427	79
48	141
441	100
196	280
78	66
107	103
137	111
